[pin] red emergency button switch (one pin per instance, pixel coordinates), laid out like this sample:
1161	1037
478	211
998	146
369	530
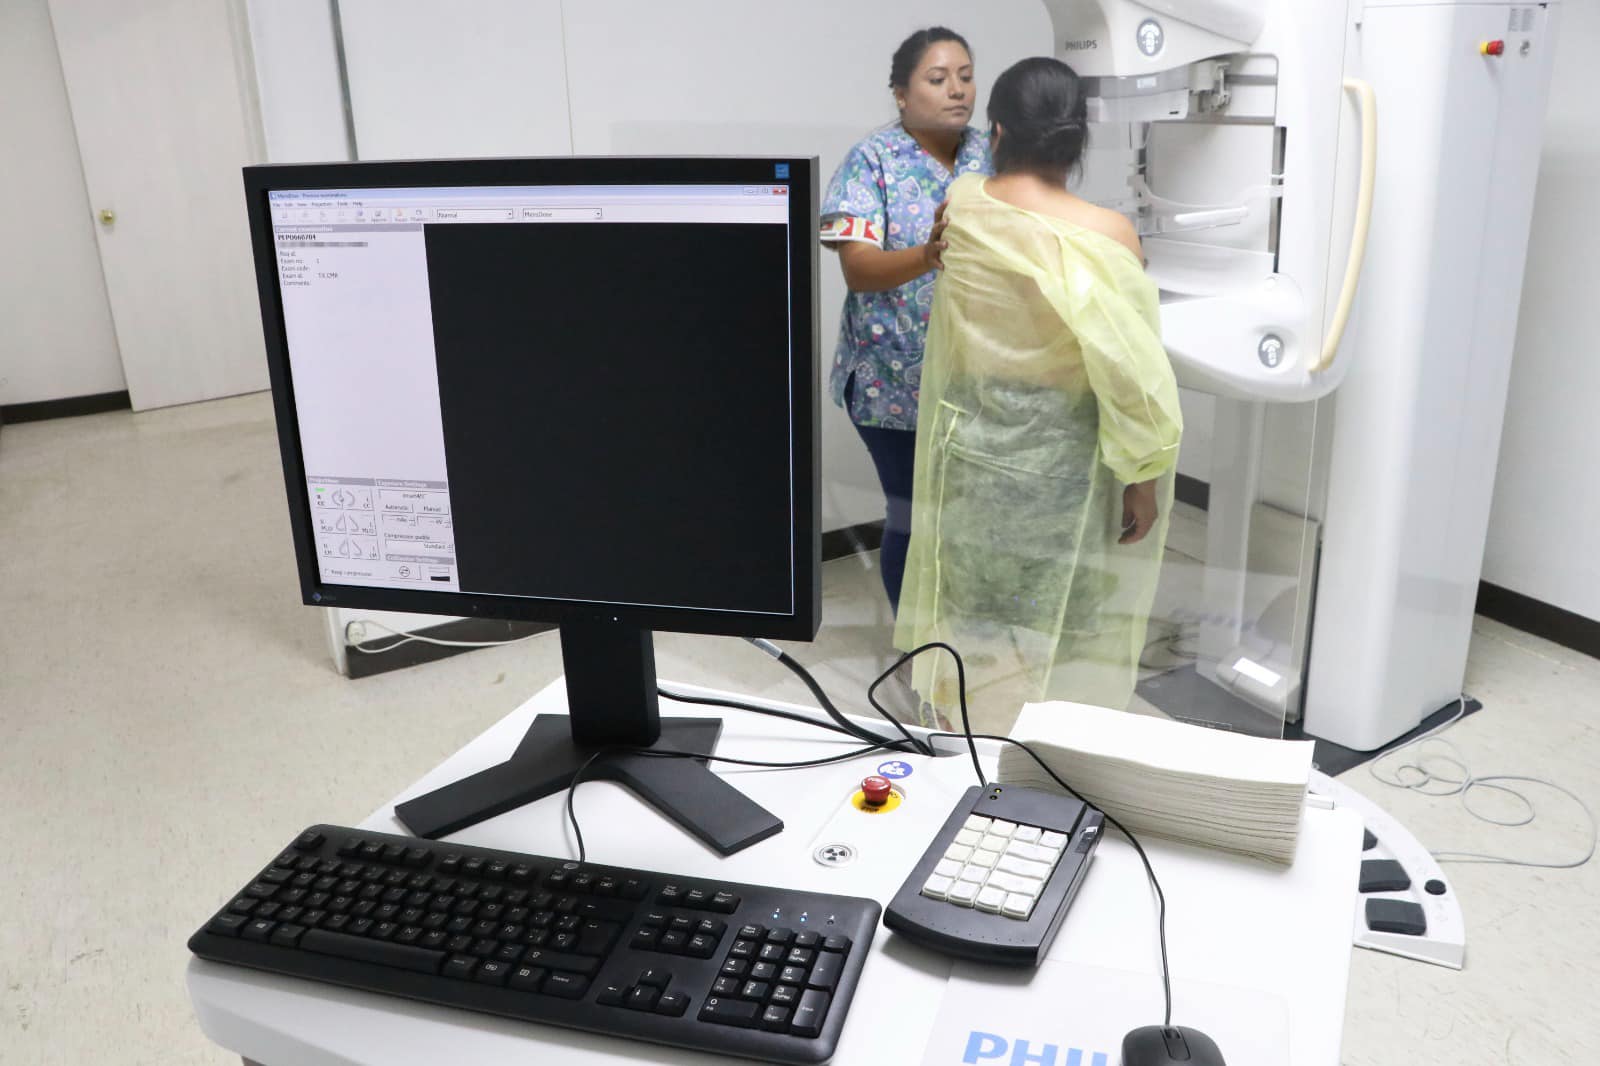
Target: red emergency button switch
1492	48
875	790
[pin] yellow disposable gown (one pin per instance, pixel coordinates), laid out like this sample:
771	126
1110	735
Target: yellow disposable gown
1045	389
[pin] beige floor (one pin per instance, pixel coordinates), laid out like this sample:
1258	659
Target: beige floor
169	715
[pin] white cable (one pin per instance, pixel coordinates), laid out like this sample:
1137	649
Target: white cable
1464	784
419	638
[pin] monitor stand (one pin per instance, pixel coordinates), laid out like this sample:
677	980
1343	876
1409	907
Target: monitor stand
611	693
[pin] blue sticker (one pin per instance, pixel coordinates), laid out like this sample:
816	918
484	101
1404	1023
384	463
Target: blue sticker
782	170
895	769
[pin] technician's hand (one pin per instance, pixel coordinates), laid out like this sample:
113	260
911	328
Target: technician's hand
1138	511
933	251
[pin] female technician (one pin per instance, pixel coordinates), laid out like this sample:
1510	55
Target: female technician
1049	427
879	214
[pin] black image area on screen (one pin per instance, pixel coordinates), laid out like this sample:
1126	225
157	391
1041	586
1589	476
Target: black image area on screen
615	401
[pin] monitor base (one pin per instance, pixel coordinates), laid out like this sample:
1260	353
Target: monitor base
548	758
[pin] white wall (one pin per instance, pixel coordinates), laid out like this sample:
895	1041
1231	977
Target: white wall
1544	530
56	335
297	78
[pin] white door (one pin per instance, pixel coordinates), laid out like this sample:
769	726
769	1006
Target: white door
165	117
56	339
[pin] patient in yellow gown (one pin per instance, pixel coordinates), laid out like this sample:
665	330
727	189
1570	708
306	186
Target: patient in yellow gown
1049	429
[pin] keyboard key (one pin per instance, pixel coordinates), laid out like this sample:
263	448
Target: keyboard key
1028	834
735	968
736	1012
417	858
698	898
433	941
982	858
611	994
606	886
1013	864
772	952
510	953
243	905
974	873
288	934
645	939
995	843
751	932
654	976
674	941
565	985
836	943
1053	841
643	998
492	972
670	896
522	874
1026	886
968	838
1002	828
633	889
825	974
701	946
583	882
226	924
756	990
937	887
724	902
383	953
775	1019
604	910
794	975
958	853
528	978
809	1013
681	923
786	995
947	868
258	929
725	986
473	867
799	957
559	960
977	823
261	890
672	1004
497	870
460	966
779	936
394	852
309	839
743	949
712	927
764	971
350	846
807	939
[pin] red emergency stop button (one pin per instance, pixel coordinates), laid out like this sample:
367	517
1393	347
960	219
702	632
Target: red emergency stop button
875	790
1492	48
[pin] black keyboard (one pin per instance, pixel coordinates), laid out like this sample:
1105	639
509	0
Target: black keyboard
738	969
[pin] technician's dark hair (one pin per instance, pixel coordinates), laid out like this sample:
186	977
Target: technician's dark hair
913	48
1039	105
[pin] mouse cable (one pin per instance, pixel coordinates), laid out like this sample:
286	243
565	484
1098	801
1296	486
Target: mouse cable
654	753
1427	782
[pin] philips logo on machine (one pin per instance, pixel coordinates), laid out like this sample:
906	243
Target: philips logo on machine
1152	38
1081	46
987	1047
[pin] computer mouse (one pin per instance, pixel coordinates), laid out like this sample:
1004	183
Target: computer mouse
1169	1045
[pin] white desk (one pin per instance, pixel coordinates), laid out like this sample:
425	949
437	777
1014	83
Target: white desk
1285	931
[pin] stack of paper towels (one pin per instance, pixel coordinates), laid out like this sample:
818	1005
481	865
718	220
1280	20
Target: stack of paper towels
1185	782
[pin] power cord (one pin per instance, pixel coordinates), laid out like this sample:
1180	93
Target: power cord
1428	782
833	712
407	638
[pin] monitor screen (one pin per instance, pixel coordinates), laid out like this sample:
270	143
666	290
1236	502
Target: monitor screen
549	389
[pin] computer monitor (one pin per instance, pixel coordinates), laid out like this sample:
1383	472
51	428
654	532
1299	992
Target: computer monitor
578	391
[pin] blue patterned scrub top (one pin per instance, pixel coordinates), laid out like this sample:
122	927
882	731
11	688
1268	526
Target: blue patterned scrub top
885	193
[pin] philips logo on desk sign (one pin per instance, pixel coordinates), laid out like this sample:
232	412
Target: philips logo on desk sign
988	1047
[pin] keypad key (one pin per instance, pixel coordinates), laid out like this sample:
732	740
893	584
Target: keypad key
775	1019
793	975
654	976
643	998
612	994
528	978
807	940
773	952
724	902
726	986
564	942
701	946
492	972
721	1010
672	1004
799	957
565	985
460	966
786	995
780	936
751	932
754	990
809	1013
825	974
836	943
227	924
743	949
764	971
735	968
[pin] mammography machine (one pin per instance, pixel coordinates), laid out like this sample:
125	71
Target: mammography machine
1244	136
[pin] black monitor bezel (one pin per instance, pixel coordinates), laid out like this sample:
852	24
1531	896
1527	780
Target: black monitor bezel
802	624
